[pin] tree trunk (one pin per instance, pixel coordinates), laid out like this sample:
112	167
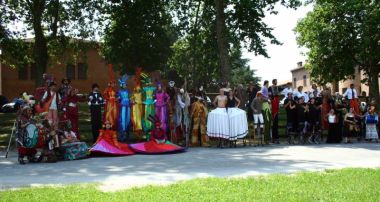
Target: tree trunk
373	83
221	35
40	51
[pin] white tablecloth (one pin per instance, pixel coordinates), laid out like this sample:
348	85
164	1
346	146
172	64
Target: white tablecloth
228	124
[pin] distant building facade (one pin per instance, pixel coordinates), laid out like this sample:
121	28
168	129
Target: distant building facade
301	77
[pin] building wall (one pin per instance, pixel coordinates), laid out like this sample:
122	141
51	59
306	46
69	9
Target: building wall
97	72
300	77
300	72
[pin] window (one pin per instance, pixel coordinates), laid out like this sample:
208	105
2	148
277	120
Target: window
23	73
82	71
304	80
294	82
70	71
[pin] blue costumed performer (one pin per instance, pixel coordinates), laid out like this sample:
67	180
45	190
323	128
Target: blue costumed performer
125	110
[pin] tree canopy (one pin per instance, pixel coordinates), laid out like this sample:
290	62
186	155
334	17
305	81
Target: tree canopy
342	36
53	23
140	33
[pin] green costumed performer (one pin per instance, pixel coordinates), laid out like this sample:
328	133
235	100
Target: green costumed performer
148	94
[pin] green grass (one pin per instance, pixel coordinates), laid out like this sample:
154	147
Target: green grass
331	185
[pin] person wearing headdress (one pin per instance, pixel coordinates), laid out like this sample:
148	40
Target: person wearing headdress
107	143
199	117
137	105
111	104
158	143
65	87
51	101
124	110
95	101
149	101
161	110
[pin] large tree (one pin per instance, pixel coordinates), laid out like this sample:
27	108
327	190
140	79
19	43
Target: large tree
240	21
52	23
140	33
342	36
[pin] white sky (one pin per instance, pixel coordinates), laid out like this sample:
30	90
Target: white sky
282	58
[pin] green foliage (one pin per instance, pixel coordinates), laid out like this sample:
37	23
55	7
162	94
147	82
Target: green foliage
341	36
331	185
57	27
140	34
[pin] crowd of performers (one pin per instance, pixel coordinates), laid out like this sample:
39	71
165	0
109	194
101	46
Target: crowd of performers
162	117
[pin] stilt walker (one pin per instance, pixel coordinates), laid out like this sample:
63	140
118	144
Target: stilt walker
161	109
124	110
111	104
137	106
148	92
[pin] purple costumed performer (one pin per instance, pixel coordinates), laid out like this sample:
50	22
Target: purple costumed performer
161	110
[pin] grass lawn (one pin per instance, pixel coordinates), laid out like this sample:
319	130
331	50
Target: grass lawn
331	185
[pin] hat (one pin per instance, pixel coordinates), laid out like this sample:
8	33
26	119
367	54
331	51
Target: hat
66	79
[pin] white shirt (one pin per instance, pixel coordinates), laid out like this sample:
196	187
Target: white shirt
349	93
286	91
301	94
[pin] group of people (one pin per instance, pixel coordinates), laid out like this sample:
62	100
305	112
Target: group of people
161	116
309	113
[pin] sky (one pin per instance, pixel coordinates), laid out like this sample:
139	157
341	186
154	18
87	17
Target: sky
284	57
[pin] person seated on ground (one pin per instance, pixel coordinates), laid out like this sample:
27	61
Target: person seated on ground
351	126
232	100
220	101
371	120
68	136
257	108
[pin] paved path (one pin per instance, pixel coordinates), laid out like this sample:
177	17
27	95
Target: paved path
123	172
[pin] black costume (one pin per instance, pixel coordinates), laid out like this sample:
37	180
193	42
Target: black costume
96	102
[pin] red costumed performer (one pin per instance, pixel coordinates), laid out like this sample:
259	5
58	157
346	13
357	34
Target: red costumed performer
71	109
158	143
111	105
107	143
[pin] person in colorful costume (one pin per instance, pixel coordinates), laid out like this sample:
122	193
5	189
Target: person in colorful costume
137	106
124	110
161	110
107	143
65	88
111	104
199	118
51	101
71	109
158	143
149	101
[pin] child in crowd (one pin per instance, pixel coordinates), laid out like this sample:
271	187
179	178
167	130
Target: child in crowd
371	120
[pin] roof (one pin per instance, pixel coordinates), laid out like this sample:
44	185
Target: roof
297	69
